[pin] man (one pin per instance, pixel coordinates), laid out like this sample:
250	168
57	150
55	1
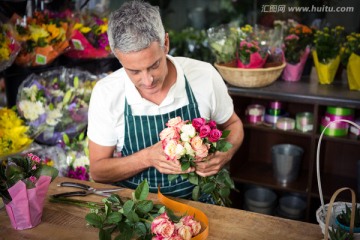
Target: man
129	108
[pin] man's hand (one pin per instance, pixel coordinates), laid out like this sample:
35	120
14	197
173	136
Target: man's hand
212	165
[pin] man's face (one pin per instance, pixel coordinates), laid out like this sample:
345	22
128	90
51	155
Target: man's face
147	68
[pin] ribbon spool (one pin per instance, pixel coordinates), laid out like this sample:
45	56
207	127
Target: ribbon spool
335	129
304	121
275	105
285	123
255	113
339	111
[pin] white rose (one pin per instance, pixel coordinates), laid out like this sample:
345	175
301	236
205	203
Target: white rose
31	110
187	132
189	150
53	117
179	151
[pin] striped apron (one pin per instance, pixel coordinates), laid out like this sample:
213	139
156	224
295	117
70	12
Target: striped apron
143	131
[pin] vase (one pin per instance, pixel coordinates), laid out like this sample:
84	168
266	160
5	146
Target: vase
353	72
293	72
326	72
26	206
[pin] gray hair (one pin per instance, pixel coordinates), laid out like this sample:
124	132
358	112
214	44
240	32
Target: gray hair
134	26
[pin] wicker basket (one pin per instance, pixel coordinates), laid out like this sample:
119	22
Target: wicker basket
326	213
250	77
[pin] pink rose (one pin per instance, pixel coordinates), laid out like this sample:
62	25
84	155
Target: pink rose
162	226
198	122
201	152
204	131
170	149
191	222
176	122
212	124
185	232
170	133
196	142
214	135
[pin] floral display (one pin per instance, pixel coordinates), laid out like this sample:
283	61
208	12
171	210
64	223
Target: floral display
15	135
59	98
350	57
250	55
223	43
327	43
24	182
42	39
140	218
77	157
89	38
192	141
9	47
163	227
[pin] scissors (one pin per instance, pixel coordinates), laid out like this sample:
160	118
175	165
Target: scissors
106	192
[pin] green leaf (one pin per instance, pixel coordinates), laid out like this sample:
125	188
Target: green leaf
224	192
76	82
225	133
128	206
142	191
223	146
185	166
114	217
172	215
46	170
193	178
172	177
184	176
196	193
94	220
67	97
66	139
208	187
140	229
133	217
126	232
144	206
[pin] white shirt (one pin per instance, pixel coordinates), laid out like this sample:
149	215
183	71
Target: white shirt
106	111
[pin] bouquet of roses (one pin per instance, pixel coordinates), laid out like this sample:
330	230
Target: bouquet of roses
89	38
192	141
141	218
42	39
9	47
60	98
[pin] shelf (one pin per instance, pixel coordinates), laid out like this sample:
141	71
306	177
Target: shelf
272	129
262	174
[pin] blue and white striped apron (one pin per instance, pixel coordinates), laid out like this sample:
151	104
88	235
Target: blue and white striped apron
143	131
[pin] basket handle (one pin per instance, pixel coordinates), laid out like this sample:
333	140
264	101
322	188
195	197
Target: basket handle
318	156
330	206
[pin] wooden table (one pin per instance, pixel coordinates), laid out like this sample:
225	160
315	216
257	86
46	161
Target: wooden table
62	221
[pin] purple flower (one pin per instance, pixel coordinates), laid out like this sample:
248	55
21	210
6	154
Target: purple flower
78	173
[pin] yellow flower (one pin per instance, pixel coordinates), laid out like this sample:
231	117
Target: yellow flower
53	30
85	29
38	32
77	26
4	53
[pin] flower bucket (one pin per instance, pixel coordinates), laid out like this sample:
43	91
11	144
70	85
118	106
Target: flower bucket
26	208
293	72
326	72
353	72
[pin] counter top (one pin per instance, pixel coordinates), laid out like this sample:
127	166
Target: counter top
306	90
62	221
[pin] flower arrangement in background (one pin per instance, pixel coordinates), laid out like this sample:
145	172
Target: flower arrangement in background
24	181
77	159
250	55
89	37
192	141
42	39
9	47
14	133
296	42
350	46
59	98
327	43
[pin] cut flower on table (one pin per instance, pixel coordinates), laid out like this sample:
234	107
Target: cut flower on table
9	47
192	141
140	218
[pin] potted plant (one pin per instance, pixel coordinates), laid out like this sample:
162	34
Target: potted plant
343	219
350	58
340	234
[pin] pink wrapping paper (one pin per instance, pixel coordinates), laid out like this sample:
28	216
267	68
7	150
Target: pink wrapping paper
25	209
256	61
293	72
88	50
